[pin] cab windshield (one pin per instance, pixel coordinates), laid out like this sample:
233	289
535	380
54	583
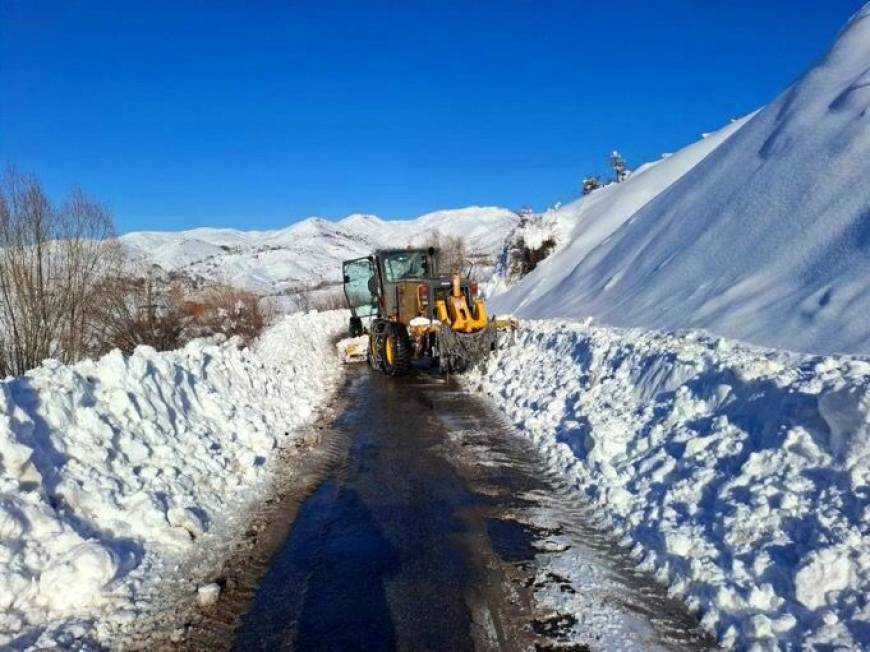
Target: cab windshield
405	265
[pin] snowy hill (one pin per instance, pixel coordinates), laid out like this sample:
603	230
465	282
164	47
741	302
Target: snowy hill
766	239
580	226
309	253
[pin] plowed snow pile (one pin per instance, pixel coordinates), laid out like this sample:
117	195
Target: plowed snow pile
740	475
767	239
112	470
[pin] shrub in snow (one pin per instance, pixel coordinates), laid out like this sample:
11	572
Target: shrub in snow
739	475
225	310
591	184
532	240
148	310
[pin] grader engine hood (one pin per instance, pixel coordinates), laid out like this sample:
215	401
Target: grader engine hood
449	300
455	312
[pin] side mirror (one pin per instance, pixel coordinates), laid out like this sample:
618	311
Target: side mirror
346	278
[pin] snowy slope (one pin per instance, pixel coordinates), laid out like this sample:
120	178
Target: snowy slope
114	471
310	252
581	226
767	239
739	475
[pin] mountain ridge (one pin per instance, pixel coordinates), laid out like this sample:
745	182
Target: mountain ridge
308	253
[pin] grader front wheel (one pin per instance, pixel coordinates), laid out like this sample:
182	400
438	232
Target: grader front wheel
395	351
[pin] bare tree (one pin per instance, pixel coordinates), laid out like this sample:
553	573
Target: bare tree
619	166
139	309
452	253
66	290
51	260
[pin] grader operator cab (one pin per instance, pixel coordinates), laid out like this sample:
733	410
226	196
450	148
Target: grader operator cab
412	311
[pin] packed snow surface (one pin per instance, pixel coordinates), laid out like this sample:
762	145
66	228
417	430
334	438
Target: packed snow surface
739	475
767	239
111	471
310	252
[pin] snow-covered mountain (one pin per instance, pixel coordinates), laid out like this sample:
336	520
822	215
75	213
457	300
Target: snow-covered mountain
309	253
760	232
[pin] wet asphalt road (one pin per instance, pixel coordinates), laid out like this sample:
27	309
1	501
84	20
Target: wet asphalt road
399	547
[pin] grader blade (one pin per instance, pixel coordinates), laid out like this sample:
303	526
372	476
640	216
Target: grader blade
353	349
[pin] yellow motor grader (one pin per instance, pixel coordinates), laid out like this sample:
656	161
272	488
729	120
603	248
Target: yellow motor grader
411	311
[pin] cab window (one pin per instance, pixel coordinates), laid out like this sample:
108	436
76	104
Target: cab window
359	277
405	265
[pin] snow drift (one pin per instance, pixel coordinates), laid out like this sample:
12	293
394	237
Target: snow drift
767	239
739	474
112	470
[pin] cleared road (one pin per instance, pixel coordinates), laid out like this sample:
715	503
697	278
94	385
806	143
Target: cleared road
441	530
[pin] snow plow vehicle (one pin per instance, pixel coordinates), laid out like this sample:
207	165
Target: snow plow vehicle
411	311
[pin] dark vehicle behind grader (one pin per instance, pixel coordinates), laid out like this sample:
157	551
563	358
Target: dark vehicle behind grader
411	311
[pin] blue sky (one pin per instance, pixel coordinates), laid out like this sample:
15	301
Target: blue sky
257	114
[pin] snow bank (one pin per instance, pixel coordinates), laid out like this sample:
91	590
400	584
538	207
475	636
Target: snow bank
110	469
767	239
739	475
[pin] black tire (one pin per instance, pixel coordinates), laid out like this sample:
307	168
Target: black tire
394	351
